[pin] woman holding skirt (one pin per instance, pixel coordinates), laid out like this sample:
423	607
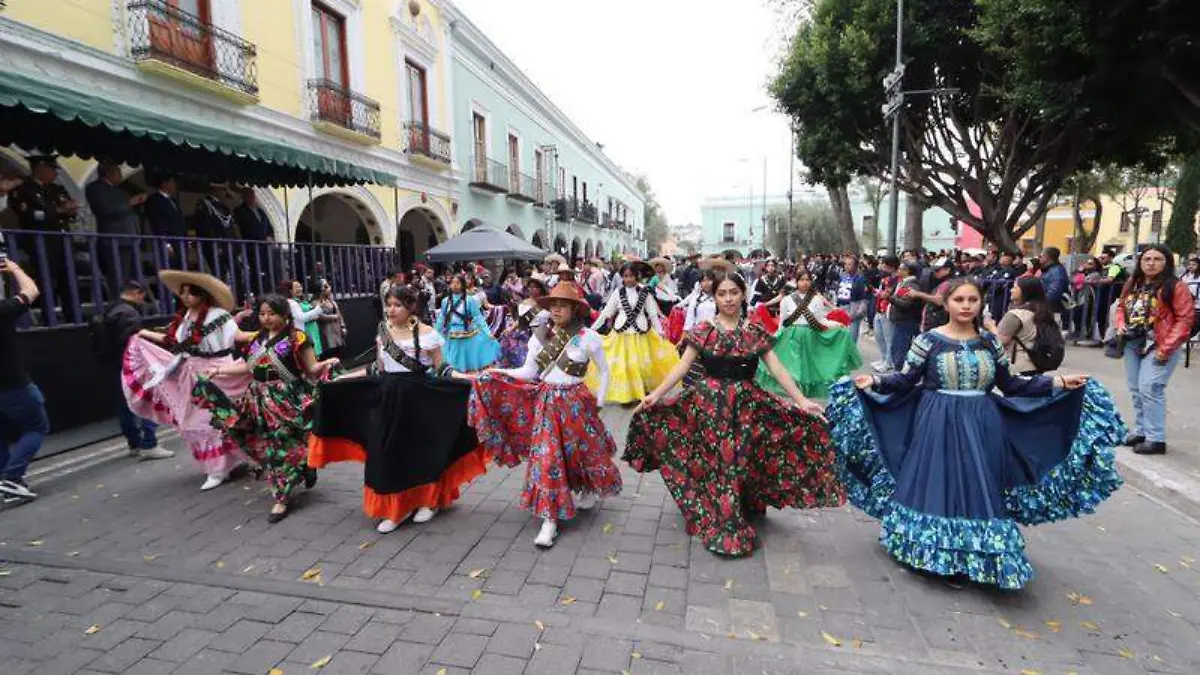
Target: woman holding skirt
469	346
160	369
950	469
816	350
637	354
543	414
407	423
726	449
270	420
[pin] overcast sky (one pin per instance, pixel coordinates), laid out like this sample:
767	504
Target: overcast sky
668	86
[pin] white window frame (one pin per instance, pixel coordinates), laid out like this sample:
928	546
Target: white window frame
352	13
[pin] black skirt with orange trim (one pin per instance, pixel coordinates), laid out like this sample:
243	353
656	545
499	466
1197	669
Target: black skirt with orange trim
410	431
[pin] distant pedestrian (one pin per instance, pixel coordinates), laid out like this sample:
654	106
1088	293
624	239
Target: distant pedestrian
23	420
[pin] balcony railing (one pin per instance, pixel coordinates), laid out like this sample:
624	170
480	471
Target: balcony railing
488	174
159	31
78	272
332	103
565	209
424	140
587	212
521	187
543	197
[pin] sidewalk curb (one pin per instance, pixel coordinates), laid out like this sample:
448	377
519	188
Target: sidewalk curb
1170	487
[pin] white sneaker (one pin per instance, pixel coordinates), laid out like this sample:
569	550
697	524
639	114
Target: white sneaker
587	501
12	488
157	452
386	526
212	482
546	535
424	515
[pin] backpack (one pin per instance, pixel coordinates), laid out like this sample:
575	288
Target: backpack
1048	348
100	330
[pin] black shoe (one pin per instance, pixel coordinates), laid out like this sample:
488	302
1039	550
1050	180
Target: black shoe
310	478
1151	448
1133	440
273	517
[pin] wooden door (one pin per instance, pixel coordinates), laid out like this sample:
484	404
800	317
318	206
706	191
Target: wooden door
329	51
181	32
479	127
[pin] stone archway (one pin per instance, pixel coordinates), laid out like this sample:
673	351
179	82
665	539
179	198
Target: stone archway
560	245
338	218
539	240
600	250
576	248
588	249
419	231
515	230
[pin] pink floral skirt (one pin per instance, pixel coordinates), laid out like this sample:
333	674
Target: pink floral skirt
170	401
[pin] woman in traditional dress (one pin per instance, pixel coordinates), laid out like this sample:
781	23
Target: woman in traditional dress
768	294
270	419
699	307
950	469
469	347
725	448
407	423
666	294
160	369
815	350
637	354
514	343
543	413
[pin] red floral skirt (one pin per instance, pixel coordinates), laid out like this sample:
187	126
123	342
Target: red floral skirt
556	430
727	450
675	320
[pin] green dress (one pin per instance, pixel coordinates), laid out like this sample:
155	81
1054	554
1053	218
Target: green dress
815	355
312	328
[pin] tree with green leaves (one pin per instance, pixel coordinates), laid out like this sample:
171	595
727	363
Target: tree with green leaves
993	149
874	191
814	229
653	218
1181	230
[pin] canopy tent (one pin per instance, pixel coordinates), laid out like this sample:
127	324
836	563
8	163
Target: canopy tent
484	243
40	114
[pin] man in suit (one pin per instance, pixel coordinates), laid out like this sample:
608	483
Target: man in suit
113	208
166	219
254	225
214	220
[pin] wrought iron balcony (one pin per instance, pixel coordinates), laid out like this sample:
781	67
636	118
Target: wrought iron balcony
587	212
162	33
522	187
335	105
425	141
542	198
565	209
488	174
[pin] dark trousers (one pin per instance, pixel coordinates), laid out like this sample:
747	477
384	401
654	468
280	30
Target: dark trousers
23	426
903	332
139	433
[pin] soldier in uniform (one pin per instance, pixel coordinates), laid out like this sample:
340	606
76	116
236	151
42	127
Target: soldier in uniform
43	205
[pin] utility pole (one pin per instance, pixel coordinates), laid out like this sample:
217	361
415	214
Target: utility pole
764	213
893	85
791	188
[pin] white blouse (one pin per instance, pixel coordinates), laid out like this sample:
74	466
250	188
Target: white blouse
429	341
587	345
819	307
217	341
540	317
301	317
649	317
698	308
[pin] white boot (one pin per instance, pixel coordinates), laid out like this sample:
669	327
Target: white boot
213	481
546	535
386	526
424	515
587	501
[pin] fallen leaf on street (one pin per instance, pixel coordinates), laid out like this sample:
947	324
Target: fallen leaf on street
310	574
5	573
658	606
1027	634
476	594
220	564
321	662
568	600
1088	625
73	554
441	671
475	574
802	615
823	608
1161	568
275	671
729	584
636	655
36	542
607	528
1174	614
1031	671
1004	622
150	558
1125	653
92	629
1155	658
1101	528
1078	599
539	624
365	545
612	558
537	646
830	640
857	643
1054	626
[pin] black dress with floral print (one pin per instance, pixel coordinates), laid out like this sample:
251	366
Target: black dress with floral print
727	449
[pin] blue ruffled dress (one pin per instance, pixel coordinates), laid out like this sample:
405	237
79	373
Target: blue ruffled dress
469	345
950	468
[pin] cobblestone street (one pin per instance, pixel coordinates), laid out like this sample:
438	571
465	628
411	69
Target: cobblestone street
128	568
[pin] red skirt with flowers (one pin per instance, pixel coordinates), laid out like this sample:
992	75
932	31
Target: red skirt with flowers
675	320
556	430
727	450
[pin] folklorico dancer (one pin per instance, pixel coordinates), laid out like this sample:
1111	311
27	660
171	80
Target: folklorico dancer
469	347
637	354
768	294
543	414
950	469
270	418
666	293
407	423
514	343
725	448
160	369
699	307
815	349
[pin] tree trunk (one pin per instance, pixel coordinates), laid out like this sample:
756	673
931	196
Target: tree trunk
839	199
914	222
1089	238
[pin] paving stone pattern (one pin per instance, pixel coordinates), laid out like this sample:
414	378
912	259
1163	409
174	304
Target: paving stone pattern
128	568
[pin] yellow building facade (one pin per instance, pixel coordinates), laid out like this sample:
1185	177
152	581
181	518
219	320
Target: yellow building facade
364	83
1146	211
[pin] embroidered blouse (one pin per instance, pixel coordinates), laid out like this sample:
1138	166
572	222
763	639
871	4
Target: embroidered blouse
429	341
938	362
698	308
278	358
587	345
217	342
642	321
819	307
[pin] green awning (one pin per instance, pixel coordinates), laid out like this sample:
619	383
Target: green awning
37	114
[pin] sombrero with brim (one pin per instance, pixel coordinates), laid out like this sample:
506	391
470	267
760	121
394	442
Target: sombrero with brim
665	262
221	295
564	291
555	258
720	264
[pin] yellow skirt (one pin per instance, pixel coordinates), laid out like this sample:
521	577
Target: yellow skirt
637	363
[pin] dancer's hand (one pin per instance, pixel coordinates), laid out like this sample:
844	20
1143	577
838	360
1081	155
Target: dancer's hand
864	381
811	407
648	402
1072	381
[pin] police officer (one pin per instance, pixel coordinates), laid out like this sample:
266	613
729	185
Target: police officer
43	205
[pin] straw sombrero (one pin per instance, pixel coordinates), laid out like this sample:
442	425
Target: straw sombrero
665	262
177	279
564	268
717	263
555	258
565	291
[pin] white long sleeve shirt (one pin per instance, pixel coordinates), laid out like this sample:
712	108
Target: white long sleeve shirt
648	318
698	308
301	317
819	307
586	346
217	341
